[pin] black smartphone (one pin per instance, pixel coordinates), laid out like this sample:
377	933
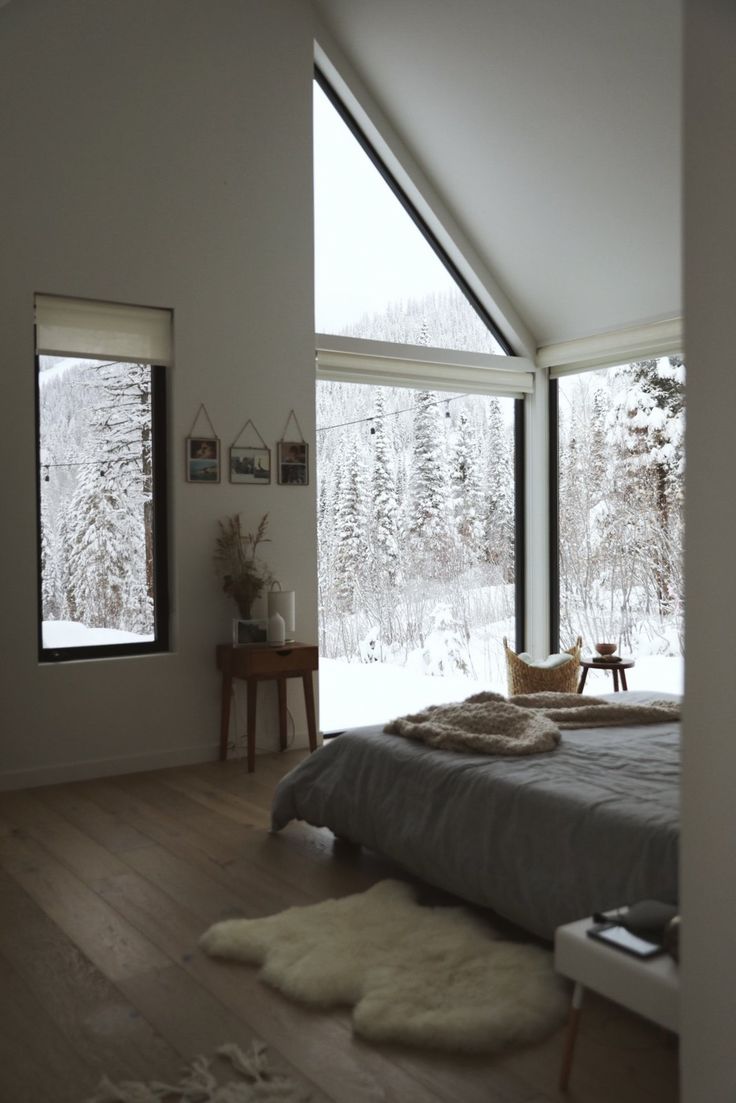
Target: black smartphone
615	935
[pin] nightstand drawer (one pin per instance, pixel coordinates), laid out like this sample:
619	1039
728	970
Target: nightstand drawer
269	662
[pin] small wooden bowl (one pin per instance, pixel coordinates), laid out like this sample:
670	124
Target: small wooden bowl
605	648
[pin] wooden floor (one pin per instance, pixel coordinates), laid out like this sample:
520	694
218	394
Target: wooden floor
105	887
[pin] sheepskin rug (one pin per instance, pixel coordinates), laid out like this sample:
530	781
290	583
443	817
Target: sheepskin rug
425	976
257	1083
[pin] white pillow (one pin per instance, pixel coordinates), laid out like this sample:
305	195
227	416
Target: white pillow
549	663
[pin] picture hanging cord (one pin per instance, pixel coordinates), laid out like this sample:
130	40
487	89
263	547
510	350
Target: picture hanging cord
249	422
391	413
293	416
203	410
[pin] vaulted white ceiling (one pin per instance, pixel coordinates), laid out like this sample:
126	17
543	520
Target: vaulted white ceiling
551	131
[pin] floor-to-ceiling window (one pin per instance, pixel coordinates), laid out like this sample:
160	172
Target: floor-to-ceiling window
418	505
620	464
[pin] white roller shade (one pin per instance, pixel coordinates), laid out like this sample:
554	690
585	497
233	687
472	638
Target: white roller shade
102	331
356	360
605	350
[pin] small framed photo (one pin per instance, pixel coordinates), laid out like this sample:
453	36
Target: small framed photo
249	631
203	460
293	461
250	465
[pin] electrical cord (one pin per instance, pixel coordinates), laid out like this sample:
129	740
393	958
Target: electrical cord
616	916
239	743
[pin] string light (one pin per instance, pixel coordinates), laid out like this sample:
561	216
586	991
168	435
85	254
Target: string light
87	463
88	365
391	413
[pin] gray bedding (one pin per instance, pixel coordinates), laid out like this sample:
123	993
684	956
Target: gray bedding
542	840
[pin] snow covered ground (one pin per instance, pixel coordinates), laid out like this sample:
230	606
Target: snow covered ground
352	694
68	633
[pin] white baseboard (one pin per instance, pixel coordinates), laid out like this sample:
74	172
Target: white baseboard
57	773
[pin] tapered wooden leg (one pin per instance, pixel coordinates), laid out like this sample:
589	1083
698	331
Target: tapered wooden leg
227	691
572	1033
615	680
584	675
309	702
283	738
623	679
251	727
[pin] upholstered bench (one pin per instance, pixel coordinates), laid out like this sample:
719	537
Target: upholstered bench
648	986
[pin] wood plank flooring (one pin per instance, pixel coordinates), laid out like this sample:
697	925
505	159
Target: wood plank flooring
105	887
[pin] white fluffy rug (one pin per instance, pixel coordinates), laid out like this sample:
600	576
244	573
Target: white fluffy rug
256	1083
438	977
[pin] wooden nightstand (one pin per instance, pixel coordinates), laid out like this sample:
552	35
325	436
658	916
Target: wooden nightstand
256	663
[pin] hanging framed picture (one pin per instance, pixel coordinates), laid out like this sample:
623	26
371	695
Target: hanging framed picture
202	452
203	460
292	457
250	463
202	456
293	461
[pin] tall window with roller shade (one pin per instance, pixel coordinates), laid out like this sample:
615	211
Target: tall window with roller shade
101	463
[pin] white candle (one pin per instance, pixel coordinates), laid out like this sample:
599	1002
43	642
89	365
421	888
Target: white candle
283	603
275	632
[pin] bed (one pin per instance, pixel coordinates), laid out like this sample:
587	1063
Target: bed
542	840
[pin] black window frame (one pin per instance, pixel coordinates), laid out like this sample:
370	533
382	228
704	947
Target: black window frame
160	539
553	467
520	524
490	324
428	235
553	406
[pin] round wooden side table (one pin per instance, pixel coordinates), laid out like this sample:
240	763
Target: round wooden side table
616	669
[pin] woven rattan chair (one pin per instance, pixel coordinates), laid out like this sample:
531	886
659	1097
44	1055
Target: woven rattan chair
523	678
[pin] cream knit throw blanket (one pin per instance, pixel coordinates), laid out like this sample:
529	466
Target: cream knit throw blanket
488	723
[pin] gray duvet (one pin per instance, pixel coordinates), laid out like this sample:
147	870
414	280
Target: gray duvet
542	840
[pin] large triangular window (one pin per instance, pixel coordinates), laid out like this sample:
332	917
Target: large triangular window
376	274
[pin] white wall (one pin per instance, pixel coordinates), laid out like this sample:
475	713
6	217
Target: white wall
709	786
156	153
